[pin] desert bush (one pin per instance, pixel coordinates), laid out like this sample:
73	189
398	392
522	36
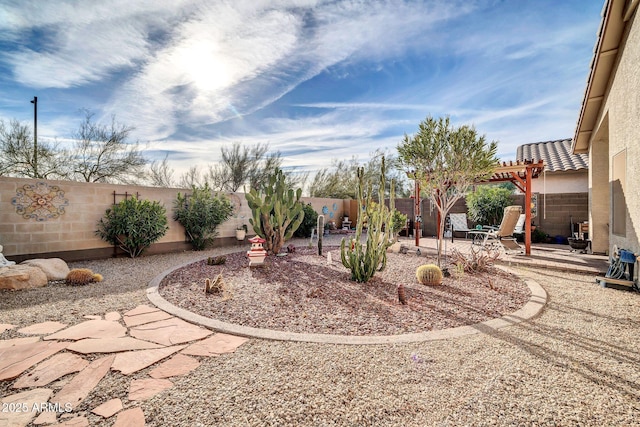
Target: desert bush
82	276
486	205
133	225
200	213
308	223
475	261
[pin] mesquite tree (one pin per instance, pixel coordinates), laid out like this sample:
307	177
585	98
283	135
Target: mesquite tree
447	161
365	259
277	211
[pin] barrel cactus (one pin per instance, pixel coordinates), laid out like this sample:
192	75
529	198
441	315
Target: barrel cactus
429	274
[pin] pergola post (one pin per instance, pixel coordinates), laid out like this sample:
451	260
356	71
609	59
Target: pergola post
527	211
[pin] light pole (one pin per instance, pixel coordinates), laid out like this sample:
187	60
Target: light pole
34	101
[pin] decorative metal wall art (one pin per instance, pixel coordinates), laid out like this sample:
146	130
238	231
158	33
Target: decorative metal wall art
40	201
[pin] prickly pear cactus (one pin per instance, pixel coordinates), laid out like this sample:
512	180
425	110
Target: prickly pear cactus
429	274
277	211
364	259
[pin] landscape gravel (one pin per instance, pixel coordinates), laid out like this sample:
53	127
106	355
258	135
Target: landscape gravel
576	364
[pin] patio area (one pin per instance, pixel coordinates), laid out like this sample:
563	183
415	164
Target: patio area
576	363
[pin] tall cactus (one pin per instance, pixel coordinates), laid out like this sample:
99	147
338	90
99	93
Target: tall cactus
277	211
365	261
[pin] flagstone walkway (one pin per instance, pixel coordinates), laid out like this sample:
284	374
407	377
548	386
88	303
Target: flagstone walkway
41	363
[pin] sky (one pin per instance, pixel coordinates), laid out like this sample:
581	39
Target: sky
316	80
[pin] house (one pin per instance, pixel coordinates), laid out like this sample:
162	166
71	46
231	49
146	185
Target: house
564	172
608	129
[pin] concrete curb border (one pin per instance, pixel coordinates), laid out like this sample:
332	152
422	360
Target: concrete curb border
530	310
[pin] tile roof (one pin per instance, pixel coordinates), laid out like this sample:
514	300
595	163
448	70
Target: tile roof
557	155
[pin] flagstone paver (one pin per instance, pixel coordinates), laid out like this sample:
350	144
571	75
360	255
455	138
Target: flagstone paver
110	345
18	341
141	309
108	408
46	417
146	388
50	370
112	316
170	332
96	328
81	385
176	366
141	319
73	422
17	359
133	361
216	344
20	406
42	328
133	417
93	317
6	327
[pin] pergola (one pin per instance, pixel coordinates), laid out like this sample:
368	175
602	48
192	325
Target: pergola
521	173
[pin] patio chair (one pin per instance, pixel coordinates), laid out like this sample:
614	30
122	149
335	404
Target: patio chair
458	223
520	224
501	239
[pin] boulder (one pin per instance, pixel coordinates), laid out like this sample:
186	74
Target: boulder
54	268
22	277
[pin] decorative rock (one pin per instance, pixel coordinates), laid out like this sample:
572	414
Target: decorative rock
141	319
42	328
108	408
17	359
217	344
3	261
169	332
96	328
22	277
54	268
133	417
81	385
176	366
133	361
6	327
56	367
110	345
147	388
18	341
25	399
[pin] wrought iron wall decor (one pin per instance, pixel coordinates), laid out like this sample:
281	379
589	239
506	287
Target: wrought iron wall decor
40	201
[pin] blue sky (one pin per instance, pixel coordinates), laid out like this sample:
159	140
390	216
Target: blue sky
317	80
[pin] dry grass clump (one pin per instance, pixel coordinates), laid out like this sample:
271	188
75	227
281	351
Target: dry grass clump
82	276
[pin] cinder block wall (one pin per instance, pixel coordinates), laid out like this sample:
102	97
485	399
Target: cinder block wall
44	219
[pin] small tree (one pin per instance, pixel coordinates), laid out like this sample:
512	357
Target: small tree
102	153
486	204
200	213
365	261
133	225
447	161
277	211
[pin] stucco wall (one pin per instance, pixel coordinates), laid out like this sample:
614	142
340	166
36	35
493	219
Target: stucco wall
65	224
621	110
561	182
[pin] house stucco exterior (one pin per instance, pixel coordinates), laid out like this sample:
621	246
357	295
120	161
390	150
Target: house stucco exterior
609	130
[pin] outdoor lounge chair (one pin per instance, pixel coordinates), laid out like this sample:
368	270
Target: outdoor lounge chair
501	239
459	223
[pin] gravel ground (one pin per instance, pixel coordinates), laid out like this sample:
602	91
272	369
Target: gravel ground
577	364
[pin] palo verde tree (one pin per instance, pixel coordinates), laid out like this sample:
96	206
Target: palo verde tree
446	160
277	211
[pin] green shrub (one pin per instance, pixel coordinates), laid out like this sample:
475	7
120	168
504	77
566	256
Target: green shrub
133	225
308	223
399	222
538	236
486	205
200	213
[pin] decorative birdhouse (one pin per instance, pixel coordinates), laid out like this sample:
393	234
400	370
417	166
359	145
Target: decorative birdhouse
257	253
